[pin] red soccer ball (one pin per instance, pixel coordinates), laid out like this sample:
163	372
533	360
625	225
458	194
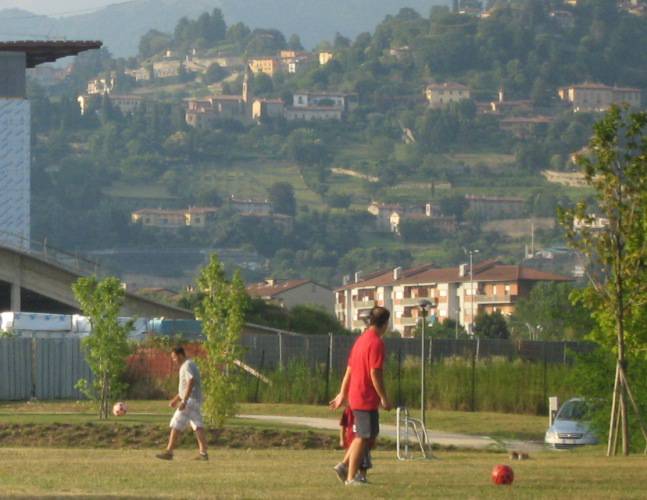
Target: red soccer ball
502	474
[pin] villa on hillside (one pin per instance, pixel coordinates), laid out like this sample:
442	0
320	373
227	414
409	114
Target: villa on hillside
194	217
441	94
590	97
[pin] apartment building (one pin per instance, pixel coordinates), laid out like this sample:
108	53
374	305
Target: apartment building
458	295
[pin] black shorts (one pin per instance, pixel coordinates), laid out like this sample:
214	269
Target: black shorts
367	424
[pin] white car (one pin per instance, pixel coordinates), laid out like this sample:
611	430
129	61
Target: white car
570	427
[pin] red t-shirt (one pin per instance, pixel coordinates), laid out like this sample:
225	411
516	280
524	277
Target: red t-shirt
367	354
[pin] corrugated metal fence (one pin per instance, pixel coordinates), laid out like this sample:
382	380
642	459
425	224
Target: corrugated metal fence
15	368
41	368
49	368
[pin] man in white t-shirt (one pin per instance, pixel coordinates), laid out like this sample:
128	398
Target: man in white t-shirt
187	404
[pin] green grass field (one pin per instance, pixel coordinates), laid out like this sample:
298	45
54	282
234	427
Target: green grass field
280	473
276	462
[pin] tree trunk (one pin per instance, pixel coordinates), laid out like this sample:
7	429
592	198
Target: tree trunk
613	419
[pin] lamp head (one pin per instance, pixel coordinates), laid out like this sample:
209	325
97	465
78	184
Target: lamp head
425	306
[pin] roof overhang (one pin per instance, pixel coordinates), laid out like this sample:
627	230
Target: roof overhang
39	52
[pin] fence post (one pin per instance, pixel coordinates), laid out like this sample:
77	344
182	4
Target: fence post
399	372
280	351
473	388
564	352
545	374
331	346
326	398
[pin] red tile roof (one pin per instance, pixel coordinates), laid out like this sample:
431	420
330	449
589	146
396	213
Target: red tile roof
488	270
265	289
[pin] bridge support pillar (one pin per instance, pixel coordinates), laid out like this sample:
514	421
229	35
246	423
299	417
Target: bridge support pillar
15	297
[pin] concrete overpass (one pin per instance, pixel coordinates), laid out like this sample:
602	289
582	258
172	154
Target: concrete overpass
39	282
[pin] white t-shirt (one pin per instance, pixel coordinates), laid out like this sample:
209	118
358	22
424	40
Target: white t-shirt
189	370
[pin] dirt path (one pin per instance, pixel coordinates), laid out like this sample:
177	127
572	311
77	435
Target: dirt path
437	437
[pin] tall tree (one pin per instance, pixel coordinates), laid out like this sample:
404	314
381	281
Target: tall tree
281	195
222	312
617	294
106	348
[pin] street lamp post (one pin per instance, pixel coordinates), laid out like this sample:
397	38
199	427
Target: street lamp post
471	325
424	307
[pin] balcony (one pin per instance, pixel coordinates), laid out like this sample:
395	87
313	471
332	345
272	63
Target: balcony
405	321
363	303
492	299
358	324
411	301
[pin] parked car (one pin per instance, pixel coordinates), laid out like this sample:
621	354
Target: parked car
571	426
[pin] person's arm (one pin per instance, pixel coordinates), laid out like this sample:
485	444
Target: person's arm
187	394
377	377
343	391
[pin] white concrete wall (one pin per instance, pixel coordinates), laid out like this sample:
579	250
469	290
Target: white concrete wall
15	172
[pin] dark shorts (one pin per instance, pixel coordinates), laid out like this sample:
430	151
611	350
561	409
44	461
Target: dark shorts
367	424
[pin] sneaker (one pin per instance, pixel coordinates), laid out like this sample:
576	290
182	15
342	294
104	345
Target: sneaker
354	482
202	456
361	478
342	471
165	455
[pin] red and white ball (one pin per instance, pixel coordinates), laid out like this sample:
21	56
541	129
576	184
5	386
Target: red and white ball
119	409
502	474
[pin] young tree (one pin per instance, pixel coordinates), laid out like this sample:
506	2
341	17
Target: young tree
106	348
549	312
617	294
222	312
491	326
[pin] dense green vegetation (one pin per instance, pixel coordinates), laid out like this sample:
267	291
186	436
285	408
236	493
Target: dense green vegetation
91	171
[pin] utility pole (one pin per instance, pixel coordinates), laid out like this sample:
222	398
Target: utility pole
424	306
471	324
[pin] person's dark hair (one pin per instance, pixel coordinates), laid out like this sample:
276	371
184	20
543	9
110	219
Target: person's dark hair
379	316
179	350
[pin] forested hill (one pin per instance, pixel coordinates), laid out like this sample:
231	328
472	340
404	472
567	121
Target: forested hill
121	25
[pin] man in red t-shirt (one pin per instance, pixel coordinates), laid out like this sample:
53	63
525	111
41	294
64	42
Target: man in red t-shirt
363	386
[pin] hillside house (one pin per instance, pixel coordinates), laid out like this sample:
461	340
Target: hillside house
591	97
126	103
194	217
167	69
140	74
267	65
290	293
267	108
440	95
325	56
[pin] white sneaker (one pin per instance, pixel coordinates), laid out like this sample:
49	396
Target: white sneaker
354	482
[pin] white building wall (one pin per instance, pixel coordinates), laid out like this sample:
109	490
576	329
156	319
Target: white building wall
15	172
